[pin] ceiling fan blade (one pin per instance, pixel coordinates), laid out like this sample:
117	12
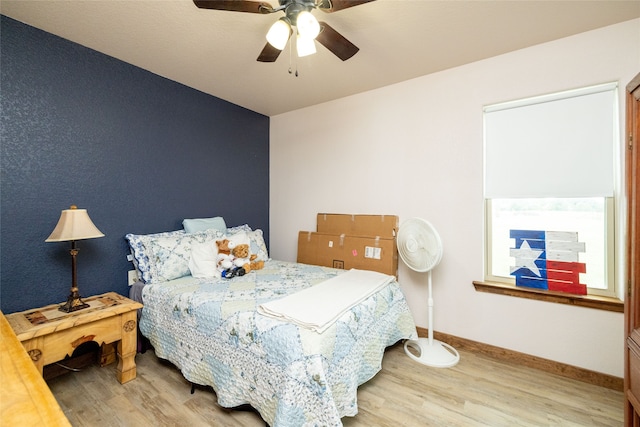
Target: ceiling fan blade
335	42
269	53
235	5
330	6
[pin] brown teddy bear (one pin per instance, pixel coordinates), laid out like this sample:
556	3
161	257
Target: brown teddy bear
244	259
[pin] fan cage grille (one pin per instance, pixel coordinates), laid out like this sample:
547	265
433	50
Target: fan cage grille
419	244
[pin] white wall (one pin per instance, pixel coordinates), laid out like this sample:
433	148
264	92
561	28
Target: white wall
415	149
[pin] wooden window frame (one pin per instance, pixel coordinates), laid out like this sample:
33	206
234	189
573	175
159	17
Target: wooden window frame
589	301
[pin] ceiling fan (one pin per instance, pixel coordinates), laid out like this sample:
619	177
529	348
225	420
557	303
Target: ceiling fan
298	15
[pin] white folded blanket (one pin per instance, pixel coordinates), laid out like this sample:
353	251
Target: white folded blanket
317	307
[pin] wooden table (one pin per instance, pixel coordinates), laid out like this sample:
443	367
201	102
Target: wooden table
49	335
25	399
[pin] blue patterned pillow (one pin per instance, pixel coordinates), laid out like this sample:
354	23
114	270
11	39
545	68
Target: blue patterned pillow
169	256
238	228
165	256
138	243
258	247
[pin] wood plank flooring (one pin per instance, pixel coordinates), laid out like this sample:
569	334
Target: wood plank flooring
479	391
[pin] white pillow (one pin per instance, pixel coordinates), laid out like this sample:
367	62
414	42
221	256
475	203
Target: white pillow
203	259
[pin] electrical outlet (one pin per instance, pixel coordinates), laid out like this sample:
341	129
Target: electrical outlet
132	277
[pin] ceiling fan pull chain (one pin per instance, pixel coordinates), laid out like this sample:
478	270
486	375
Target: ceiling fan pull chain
290	48
290	56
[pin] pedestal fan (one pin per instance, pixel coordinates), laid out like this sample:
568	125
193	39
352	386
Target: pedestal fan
420	248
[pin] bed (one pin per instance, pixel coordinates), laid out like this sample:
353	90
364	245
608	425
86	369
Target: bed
219	333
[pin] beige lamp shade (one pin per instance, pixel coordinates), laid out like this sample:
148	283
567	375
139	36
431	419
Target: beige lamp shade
74	224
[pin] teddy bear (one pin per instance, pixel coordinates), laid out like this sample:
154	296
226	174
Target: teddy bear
243	259
227	265
224	260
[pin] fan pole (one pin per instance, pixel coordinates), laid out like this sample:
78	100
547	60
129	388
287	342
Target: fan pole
431	352
430	308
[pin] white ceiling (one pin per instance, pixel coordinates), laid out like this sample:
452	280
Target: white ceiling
215	51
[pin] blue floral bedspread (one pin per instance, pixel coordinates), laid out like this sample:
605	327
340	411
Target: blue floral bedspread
210	329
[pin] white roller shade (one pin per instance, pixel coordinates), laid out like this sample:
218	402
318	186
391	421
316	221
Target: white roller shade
559	145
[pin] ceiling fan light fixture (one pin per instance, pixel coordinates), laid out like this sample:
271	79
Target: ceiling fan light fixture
305	46
307	25
298	17
279	33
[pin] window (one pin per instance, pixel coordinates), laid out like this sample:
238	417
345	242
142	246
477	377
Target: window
549	191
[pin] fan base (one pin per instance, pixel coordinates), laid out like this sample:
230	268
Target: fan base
436	353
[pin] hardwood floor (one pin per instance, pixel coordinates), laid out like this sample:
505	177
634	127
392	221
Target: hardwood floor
479	391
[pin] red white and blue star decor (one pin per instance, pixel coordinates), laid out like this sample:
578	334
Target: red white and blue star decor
548	260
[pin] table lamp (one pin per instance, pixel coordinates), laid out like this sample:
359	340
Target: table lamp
74	224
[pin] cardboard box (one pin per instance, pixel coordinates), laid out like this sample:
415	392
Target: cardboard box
358	225
347	252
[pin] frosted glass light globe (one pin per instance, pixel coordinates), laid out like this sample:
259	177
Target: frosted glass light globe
305	46
308	25
279	34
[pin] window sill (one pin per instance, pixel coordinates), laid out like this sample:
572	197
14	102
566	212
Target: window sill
589	301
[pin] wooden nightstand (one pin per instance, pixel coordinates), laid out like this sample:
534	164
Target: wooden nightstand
49	335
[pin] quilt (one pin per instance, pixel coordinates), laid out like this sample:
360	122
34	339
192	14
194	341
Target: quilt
212	331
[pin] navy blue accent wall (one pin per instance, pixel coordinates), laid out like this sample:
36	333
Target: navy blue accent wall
138	151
